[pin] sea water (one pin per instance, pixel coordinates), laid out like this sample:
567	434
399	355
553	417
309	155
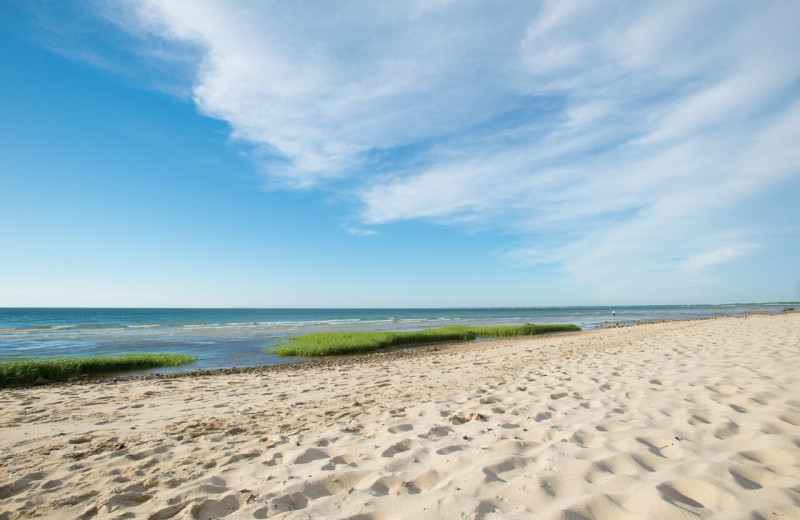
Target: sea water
223	338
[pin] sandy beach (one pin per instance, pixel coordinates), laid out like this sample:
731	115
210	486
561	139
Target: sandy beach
695	419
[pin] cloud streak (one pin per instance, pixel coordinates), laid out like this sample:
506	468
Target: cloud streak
319	86
710	259
600	134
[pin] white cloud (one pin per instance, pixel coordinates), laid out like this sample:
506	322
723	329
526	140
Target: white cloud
523	256
703	261
321	85
361	232
622	127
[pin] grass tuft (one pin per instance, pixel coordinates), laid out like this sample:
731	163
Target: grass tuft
332	343
26	371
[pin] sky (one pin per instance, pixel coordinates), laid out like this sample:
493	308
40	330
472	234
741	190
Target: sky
431	153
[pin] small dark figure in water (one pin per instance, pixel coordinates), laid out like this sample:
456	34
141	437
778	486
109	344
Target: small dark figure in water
613	313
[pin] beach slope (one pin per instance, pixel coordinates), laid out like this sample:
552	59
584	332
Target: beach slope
697	419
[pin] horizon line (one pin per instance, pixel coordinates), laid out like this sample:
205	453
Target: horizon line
779	302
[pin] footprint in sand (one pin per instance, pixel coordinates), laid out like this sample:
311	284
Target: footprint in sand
211	508
311	455
666	447
729	429
348	459
768	457
401	428
507	468
400	447
447	450
696	494
436	432
600	507
282	504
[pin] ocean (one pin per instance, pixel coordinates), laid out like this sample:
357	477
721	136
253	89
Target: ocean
224	338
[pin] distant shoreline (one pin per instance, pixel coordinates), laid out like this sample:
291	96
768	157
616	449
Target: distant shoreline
380	356
224	338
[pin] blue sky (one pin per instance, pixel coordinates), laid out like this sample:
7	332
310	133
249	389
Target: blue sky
414	154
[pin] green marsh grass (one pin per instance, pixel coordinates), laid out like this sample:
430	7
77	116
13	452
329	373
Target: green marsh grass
332	343
25	371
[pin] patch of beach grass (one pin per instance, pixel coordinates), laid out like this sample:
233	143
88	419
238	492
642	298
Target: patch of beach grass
332	343
16	372
528	329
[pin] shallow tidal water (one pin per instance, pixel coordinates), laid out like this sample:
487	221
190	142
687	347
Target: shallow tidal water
223	338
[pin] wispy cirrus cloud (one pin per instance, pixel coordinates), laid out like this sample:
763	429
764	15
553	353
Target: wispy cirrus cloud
709	259
360	232
319	86
599	135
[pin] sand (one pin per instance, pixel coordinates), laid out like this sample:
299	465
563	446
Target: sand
667	421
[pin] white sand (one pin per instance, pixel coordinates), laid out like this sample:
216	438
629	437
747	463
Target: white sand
668	421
